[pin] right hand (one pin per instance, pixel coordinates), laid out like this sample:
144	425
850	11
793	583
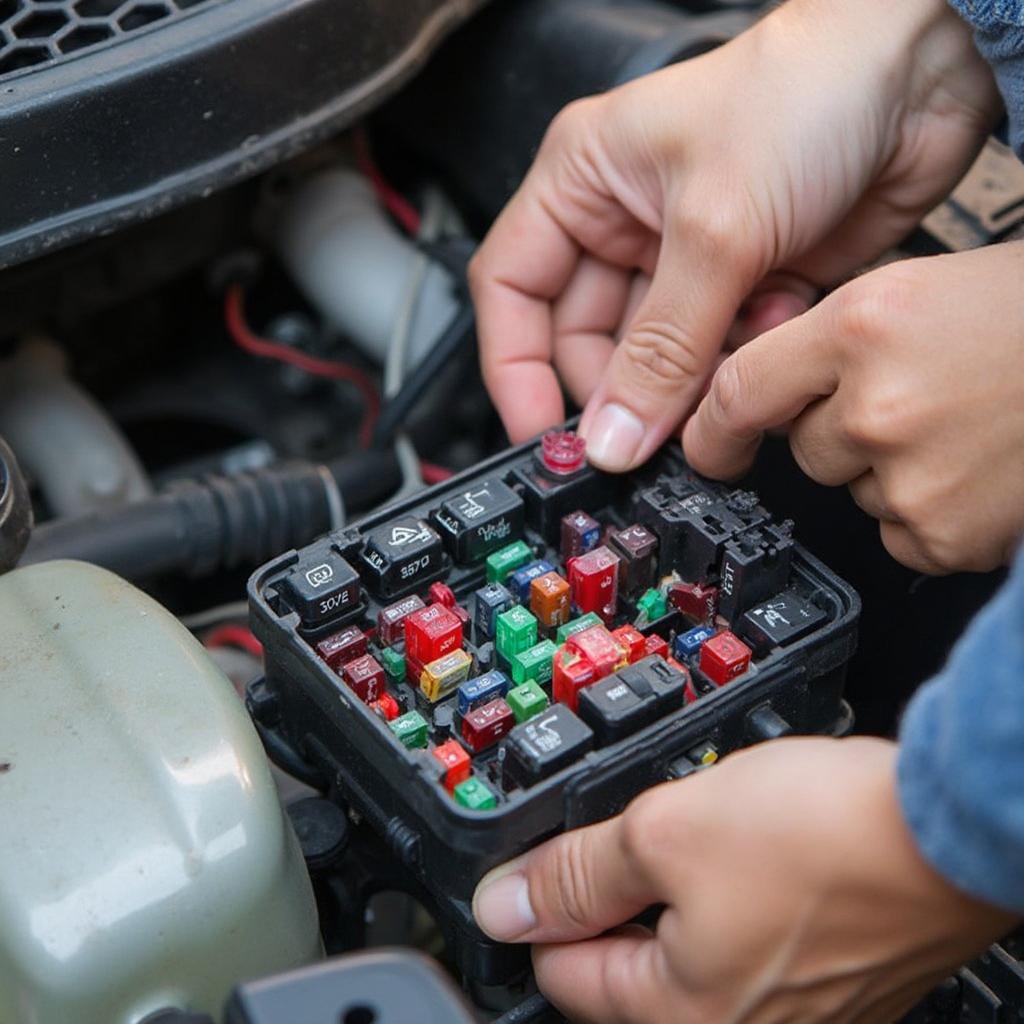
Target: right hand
771	167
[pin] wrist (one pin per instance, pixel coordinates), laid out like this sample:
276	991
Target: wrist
909	51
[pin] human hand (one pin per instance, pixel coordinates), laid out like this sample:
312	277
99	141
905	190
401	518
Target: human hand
907	384
792	890
779	163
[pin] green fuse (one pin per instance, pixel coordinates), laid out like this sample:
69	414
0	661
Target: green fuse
393	662
506	560
534	663
577	626
516	631
475	795
411	729
652	604
527	700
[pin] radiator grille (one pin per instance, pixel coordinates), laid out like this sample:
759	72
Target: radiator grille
35	32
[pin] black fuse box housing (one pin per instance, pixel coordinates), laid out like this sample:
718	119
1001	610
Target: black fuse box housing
445	847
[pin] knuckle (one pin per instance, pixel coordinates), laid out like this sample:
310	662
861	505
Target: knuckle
649	831
729	393
662	354
879	419
568	123
866	308
721	234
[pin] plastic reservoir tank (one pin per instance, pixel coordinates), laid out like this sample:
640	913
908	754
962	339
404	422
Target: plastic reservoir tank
145	861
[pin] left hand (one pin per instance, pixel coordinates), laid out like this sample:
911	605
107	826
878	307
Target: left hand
907	384
793	890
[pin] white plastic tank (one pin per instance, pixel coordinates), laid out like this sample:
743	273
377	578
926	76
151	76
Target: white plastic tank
145	860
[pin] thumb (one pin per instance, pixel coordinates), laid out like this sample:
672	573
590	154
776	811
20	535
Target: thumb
659	367
573	887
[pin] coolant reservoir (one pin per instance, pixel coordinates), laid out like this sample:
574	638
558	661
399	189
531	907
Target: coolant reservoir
145	861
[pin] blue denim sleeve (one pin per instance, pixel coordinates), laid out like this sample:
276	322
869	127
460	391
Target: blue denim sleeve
999	35
961	761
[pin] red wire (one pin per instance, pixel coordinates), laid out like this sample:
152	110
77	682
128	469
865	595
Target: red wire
234	636
244	338
434	474
390	198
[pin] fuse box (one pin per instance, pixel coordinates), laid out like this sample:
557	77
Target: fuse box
525	647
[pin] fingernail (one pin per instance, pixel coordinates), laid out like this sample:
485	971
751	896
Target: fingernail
614	436
502	907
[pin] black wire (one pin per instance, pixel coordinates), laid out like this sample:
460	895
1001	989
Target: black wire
397	409
527	1012
288	759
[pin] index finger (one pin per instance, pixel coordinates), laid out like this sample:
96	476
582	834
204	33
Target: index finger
764	384
524	263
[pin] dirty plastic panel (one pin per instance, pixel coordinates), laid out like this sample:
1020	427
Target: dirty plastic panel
145	860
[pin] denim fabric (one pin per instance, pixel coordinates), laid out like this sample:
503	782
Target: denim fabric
961	761
999	35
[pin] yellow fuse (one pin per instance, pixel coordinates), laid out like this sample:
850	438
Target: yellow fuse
444	674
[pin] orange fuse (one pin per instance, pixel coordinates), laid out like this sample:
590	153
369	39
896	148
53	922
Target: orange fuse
549	600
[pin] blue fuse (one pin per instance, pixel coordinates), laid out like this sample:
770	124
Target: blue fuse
482	690
519	582
689	643
489	602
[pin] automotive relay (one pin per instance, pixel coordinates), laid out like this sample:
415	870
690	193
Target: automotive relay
528	645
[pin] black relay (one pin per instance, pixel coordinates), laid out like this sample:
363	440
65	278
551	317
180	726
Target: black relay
781	620
401	554
632	698
480	520
322	586
527	662
538	748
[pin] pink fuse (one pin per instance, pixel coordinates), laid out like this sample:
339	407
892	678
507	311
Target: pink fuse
600	648
594	580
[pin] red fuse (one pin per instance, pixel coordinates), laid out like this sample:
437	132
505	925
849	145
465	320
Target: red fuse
570	673
391	620
387	707
724	657
600	648
441	593
655	644
695	601
413	669
345	645
456	763
486	725
365	677
633	640
432	632
594	580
